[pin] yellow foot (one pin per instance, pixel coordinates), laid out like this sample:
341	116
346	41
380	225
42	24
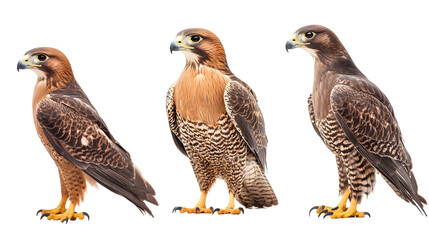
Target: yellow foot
324	210
196	210
347	214
47	212
227	210
65	216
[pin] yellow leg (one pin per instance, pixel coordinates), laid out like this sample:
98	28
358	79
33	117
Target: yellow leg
341	211
350	212
199	208
69	214
230	207
61	208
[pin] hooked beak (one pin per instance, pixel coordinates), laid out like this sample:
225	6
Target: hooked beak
174	46
177	45
22	65
290	45
25	64
293	43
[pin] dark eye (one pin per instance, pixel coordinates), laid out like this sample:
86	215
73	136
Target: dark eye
195	38
42	57
309	35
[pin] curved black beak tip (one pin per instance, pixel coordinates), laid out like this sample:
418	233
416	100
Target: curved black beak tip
289	45
21	65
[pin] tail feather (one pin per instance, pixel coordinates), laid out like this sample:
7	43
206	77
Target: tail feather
256	190
136	191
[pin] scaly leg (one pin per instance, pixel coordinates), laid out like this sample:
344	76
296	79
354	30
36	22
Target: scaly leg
69	214
199	208
341	211
61	208
230	207
340	207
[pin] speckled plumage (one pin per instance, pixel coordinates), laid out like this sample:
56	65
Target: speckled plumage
355	120
77	138
215	121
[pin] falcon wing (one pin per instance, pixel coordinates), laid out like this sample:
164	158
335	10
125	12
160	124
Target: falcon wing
242	107
76	131
312	118
366	116
172	119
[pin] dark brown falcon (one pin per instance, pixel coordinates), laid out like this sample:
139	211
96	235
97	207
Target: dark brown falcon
78	139
215	120
356	122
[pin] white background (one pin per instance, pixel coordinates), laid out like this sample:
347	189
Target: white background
120	56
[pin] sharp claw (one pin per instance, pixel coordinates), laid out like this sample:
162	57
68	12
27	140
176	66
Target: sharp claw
328	214
241	209
176	209
85	214
322	212
366	213
45	215
216	210
335	208
39	212
65	220
315	207
211	208
323	207
197	209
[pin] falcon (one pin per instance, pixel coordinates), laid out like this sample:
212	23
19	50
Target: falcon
77	138
216	122
356	122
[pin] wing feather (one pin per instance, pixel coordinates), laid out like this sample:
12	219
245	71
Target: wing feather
77	132
242	107
172	119
367	118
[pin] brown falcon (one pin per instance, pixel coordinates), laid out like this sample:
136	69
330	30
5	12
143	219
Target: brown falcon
215	120
78	139
356	122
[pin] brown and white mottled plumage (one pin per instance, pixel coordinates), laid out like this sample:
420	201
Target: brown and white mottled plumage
356	122
77	138
215	120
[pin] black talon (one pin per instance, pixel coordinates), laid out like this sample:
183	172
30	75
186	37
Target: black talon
65	220
197	209
315	207
366	213
216	210
176	209
241	209
39	212
322	212
85	214
328	214
211	208
335	208
45	215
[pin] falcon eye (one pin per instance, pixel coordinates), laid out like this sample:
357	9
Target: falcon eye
309	35
195	38
42	57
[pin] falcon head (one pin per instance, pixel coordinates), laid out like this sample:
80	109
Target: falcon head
199	46
46	62
317	40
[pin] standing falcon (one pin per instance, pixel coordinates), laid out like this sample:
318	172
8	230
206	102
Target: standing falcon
356	122
77	138
215	120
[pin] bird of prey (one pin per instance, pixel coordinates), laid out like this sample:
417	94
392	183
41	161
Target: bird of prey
216	122
77	138
356	122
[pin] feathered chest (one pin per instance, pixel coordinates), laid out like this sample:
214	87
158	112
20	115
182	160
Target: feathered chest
198	94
